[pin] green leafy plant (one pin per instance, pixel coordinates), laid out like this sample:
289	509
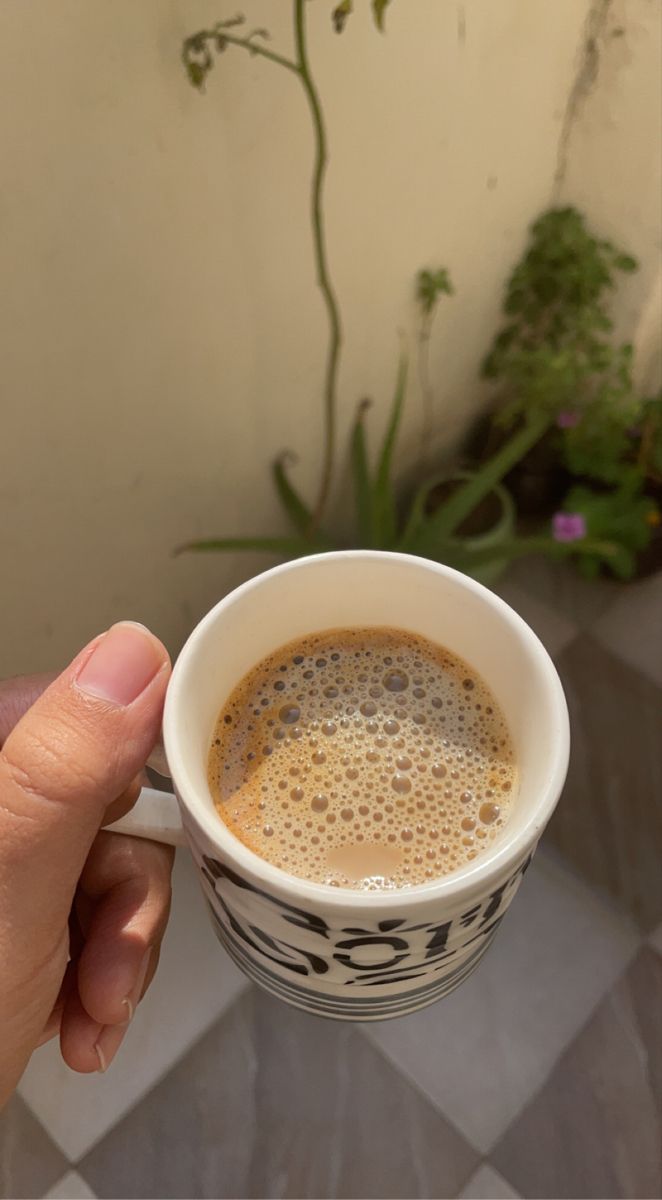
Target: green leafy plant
541	353
553	353
649	454
554	359
622	515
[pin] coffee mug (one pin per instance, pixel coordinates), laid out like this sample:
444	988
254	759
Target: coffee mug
350	954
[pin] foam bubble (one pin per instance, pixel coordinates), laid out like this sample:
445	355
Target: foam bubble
420	727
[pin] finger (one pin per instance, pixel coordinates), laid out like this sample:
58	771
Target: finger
17	695
128	881
72	753
125	802
75	749
80	1036
52	1026
87	1046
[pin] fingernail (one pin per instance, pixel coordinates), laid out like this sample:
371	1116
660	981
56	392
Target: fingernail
131	1001
123	663
108	1043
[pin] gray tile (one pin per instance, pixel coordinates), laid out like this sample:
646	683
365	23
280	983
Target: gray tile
482	1052
554	630
71	1186
273	1103
487	1184
29	1162
561	588
594	1129
609	820
632	627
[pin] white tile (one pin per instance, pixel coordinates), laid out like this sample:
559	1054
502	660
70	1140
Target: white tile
482	1052
554	630
487	1184
632	626
194	984
70	1187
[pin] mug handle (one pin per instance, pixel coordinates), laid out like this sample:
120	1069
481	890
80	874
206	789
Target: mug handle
155	815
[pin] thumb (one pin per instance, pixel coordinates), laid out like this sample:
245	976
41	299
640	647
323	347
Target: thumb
76	749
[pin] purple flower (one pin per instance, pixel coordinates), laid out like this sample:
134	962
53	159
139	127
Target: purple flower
568	527
568	418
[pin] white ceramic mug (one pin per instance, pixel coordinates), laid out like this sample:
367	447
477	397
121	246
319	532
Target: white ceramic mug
337	952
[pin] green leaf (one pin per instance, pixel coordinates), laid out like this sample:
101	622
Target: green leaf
588	565
384	515
448	518
361	478
378	9
287	547
340	14
196	73
430	285
299	514
625	262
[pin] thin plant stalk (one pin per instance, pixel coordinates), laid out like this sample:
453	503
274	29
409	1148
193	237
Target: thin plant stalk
321	262
427	396
300	66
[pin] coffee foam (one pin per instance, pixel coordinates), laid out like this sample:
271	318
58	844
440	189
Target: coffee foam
366	758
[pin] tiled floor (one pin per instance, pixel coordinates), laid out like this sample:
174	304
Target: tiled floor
540	1077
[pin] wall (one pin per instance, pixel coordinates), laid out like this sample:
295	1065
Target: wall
160	334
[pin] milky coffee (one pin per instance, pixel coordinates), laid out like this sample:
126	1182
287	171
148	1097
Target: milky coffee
367	758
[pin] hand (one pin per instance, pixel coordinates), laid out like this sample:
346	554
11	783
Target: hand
82	911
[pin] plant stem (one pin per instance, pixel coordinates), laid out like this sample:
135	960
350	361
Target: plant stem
323	279
426	389
466	498
258	48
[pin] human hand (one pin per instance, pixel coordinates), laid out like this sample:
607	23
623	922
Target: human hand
82	911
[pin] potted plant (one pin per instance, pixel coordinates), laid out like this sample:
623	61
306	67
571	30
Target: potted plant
464	517
595	470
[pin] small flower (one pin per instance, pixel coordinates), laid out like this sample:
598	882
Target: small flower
568	527
568	418
653	517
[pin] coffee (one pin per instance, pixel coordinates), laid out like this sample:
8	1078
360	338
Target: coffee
363	758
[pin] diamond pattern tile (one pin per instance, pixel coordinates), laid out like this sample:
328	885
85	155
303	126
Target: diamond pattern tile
72	1186
555	630
559	587
29	1161
194	984
547	1059
482	1052
594	1128
487	1184
632	627
272	1102
609	822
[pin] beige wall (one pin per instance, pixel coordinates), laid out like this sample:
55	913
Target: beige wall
160	335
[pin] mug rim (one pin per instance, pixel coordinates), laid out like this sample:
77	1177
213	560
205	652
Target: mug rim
466	879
